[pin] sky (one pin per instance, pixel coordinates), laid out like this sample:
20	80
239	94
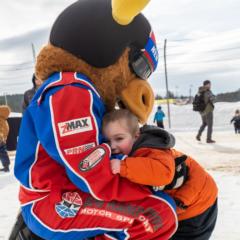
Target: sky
203	42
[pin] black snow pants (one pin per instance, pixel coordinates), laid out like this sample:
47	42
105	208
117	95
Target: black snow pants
4	155
199	227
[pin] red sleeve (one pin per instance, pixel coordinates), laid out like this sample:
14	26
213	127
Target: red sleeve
77	128
152	167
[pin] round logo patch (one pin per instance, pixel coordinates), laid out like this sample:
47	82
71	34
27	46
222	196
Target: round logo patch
69	206
92	159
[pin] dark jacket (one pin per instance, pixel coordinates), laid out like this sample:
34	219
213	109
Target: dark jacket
209	98
236	121
28	95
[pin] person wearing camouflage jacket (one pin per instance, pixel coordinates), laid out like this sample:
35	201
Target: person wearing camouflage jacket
207	113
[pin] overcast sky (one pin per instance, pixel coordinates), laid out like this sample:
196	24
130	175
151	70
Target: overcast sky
203	42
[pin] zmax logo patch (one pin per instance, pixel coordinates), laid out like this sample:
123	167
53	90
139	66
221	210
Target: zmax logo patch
75	126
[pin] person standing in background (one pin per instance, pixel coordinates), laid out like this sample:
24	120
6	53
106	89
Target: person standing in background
158	117
207	113
4	154
236	121
28	95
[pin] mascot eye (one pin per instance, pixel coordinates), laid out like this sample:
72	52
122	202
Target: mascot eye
144	62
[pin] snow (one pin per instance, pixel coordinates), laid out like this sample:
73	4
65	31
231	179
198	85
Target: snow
15	114
221	160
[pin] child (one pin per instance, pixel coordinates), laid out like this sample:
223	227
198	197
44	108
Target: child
152	161
3	154
236	121
158	117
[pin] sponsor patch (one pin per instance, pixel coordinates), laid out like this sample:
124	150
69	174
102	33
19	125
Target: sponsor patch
106	214
75	126
92	159
69	206
79	149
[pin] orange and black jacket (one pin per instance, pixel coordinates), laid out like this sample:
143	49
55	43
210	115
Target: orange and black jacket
152	162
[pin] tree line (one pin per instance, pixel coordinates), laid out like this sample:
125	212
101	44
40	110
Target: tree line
229	96
221	97
15	101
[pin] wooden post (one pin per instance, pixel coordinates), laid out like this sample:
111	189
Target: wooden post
34	53
166	80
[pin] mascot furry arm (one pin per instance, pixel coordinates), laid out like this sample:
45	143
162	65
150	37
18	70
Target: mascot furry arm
4	128
88	66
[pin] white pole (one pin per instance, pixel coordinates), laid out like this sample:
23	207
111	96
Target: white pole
166	79
34	53
5	97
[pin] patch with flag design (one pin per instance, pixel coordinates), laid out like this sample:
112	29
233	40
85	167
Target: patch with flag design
69	206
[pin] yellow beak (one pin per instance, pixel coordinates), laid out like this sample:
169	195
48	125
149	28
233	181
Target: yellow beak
138	97
124	11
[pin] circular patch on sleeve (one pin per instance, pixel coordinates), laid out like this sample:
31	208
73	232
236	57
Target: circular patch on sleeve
92	159
69	206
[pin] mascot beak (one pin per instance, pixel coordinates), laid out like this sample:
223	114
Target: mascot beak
124	11
138	97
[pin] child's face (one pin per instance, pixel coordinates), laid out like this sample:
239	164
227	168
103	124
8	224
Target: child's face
120	138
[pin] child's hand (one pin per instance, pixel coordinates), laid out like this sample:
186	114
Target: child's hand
115	166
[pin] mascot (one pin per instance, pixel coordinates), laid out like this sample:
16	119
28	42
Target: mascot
100	53
4	130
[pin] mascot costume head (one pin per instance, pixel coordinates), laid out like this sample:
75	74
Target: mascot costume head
111	43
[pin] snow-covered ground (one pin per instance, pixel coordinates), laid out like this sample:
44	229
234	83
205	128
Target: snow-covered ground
221	159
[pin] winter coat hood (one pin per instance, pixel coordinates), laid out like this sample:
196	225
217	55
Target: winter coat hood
153	137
